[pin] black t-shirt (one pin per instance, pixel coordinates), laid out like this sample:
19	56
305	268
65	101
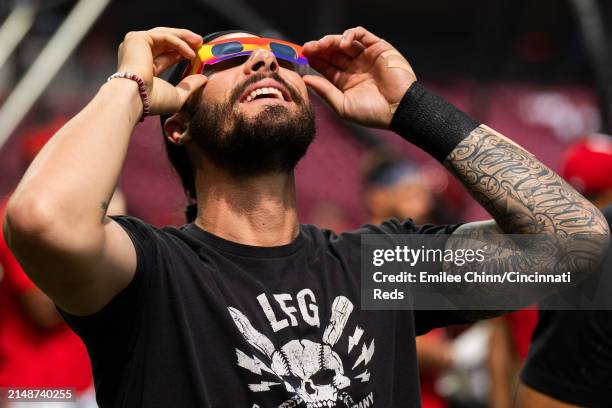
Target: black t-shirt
570	357
206	322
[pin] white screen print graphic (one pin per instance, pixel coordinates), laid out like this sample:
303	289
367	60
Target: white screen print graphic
312	372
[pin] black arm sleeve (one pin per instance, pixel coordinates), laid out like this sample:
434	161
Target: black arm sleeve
428	121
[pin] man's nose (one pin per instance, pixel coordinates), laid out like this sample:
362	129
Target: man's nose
261	61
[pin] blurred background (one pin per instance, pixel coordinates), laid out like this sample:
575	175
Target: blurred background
537	71
523	67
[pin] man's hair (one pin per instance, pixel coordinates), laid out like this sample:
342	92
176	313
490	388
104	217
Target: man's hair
179	159
178	154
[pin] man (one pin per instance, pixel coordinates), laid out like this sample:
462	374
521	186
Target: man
570	358
245	307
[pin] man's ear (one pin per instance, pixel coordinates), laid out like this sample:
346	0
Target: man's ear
175	129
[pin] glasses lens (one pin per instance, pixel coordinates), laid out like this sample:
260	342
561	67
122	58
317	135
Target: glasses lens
227	48
224	64
282	50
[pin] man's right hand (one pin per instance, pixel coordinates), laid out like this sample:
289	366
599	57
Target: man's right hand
56	220
149	53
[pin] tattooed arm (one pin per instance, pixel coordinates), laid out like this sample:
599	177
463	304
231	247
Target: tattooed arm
524	197
366	80
522	194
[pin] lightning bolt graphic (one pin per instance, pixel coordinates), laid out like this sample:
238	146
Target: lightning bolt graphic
262	386
254	364
366	355
364	377
354	339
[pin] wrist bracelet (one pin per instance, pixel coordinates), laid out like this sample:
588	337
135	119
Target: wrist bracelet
142	90
428	121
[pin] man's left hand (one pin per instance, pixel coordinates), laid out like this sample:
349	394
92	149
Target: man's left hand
364	77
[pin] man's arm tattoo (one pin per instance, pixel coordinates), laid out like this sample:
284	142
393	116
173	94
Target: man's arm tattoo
522	194
524	197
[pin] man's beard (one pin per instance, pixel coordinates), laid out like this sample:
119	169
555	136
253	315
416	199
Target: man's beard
272	141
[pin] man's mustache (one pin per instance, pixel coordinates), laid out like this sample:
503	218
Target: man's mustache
239	90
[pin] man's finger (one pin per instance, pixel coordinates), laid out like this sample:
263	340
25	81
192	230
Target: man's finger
331	52
189	36
188	86
326	69
326	46
361	35
170	41
332	40
352	48
332	95
336	58
164	61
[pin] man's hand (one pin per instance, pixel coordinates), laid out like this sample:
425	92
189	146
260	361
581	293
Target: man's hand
149	53
67	246
364	77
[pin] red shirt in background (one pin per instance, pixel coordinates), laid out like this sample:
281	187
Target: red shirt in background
522	324
32	356
429	396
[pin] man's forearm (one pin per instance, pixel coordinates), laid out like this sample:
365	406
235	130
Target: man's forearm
521	193
71	181
524	197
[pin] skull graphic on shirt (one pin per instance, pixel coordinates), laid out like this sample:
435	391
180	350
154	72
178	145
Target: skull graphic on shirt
311	372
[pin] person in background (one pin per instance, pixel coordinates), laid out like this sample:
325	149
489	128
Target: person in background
37	349
570	357
395	188
329	215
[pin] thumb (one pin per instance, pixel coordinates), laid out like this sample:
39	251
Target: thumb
188	86
328	91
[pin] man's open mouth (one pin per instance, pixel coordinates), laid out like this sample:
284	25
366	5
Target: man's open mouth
261	93
265	89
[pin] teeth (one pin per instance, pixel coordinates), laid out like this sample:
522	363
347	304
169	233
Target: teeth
264	91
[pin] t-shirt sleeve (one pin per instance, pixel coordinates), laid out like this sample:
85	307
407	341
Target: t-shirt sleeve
348	244
407	226
112	327
424	320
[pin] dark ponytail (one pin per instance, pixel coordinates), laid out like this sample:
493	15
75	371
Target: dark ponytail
191	212
178	154
182	165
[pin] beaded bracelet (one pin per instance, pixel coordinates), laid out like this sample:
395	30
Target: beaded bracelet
142	90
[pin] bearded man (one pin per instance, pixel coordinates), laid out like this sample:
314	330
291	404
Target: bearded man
243	306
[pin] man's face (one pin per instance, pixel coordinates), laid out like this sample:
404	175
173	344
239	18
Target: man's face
253	116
